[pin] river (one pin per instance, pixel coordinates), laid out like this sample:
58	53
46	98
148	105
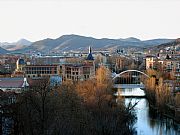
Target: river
147	122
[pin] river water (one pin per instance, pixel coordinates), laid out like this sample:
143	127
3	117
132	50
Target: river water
147	122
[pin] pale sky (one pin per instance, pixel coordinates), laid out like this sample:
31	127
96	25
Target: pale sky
38	19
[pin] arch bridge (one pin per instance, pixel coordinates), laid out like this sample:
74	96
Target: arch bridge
129	79
126	71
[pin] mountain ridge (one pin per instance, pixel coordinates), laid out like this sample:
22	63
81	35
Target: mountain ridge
3	51
15	45
78	42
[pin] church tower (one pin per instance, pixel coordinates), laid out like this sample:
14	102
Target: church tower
90	57
90	62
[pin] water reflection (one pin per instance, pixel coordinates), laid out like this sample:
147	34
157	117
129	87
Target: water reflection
148	122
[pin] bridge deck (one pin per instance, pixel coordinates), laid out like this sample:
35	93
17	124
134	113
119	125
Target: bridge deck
128	86
130	90
133	96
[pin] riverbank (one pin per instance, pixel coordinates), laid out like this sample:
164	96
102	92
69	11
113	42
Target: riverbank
162	96
149	122
170	111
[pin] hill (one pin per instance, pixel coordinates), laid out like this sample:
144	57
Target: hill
76	42
173	44
22	43
3	51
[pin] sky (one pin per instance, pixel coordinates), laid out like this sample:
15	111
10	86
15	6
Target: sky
39	19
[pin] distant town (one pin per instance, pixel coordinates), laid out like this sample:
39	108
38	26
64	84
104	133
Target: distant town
155	68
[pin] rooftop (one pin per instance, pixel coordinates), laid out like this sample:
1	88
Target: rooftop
11	82
90	57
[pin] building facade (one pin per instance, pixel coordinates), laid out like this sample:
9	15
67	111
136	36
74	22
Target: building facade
32	71
77	72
